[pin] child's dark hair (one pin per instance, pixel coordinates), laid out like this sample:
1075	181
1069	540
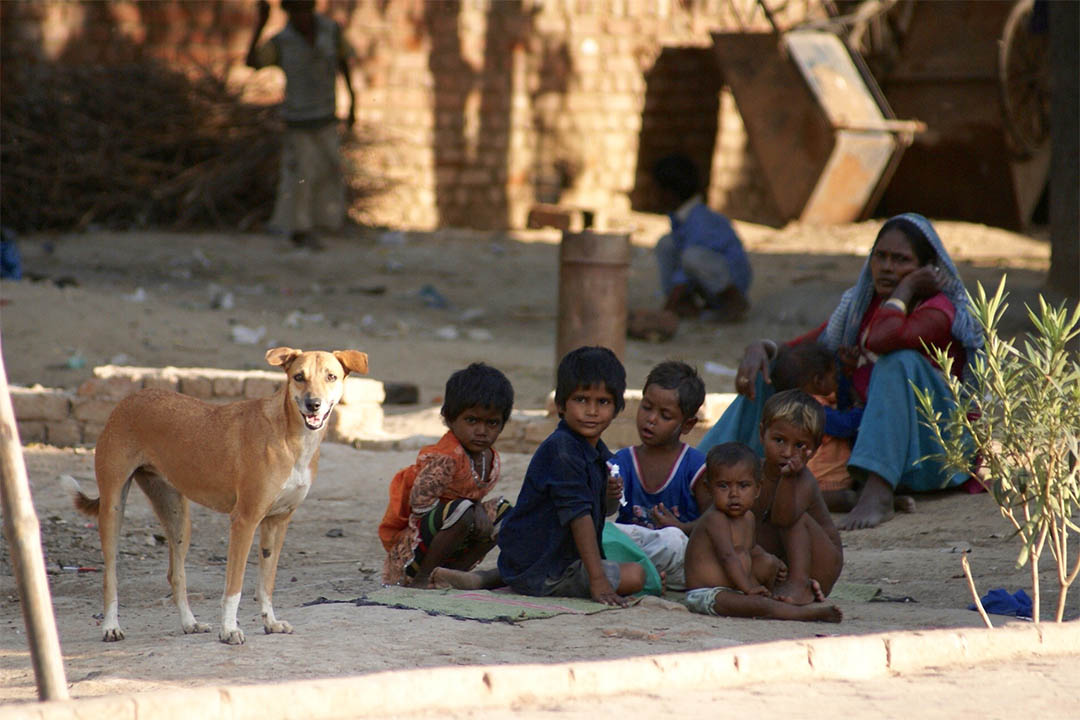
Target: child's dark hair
920	245
478	385
794	366
797	408
587	366
678	174
731	454
678	376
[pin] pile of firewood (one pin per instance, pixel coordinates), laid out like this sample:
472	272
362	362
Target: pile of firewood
131	146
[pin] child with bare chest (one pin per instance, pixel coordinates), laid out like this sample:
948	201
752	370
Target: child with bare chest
727	572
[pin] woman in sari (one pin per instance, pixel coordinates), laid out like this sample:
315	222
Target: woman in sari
908	296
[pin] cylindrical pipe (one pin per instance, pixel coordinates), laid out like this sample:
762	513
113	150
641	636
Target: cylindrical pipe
593	271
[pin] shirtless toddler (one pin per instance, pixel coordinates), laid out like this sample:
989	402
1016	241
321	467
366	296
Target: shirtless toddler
727	572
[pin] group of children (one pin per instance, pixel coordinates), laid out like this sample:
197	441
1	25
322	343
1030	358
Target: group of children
743	537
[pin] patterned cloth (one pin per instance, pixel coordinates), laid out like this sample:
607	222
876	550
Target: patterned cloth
442	472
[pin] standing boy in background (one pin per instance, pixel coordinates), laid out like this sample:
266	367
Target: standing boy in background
661	489
311	50
550	543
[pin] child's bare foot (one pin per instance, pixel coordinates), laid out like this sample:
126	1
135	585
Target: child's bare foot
824	613
903	503
798	593
875	506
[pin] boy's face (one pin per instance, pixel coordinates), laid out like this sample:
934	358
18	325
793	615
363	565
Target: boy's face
477	428
787	447
588	411
734	489
659	419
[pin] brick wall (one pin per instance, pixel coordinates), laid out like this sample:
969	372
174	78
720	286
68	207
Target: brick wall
64	418
480	108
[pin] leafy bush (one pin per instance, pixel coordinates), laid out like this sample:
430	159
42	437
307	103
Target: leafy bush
1020	412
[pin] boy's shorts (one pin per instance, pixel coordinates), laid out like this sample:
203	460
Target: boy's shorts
703	600
444	515
574	582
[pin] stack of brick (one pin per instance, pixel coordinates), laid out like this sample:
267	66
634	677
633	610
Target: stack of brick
65	418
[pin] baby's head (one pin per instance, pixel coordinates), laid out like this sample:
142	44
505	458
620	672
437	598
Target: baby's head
590	367
476	405
733	476
807	366
671	398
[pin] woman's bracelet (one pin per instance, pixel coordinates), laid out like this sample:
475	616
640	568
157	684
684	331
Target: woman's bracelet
896	303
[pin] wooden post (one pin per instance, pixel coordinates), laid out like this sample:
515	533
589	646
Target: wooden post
22	533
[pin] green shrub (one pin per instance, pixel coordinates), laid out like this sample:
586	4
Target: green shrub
1020	413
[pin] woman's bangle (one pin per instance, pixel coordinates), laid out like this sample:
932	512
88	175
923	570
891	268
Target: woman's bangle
770	348
896	303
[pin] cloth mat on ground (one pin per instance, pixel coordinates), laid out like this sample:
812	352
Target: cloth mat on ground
481	605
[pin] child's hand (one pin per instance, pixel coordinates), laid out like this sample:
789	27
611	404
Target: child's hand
614	488
759	590
662	517
602	592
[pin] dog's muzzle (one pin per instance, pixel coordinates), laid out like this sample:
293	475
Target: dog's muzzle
315	411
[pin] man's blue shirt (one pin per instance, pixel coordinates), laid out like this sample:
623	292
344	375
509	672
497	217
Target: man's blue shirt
708	228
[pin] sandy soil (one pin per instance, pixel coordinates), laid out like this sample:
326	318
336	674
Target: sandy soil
154	299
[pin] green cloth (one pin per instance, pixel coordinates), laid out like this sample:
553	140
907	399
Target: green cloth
620	548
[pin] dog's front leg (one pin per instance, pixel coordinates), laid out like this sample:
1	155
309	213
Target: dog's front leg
241	534
271	537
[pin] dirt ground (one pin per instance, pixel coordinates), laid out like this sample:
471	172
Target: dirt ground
156	299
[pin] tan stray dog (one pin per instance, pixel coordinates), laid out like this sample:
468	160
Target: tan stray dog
254	460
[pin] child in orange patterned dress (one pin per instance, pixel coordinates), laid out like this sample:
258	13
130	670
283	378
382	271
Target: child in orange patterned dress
437	515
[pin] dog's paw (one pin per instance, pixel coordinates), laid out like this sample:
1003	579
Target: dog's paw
196	627
278	626
233	637
112	635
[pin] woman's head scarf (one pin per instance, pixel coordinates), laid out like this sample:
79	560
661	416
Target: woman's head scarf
843	326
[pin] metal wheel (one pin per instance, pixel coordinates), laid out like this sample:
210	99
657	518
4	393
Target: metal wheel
1024	80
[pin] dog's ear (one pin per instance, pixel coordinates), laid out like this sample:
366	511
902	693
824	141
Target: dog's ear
282	356
352	360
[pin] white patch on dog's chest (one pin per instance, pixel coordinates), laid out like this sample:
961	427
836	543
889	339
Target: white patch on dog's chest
295	488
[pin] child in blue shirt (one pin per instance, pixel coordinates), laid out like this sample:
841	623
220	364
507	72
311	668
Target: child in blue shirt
702	262
550	543
661	489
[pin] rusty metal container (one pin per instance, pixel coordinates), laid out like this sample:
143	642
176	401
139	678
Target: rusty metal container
819	127
593	272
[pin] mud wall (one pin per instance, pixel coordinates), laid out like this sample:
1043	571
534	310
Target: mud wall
480	108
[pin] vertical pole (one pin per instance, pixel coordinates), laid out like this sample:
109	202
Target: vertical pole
593	274
22	532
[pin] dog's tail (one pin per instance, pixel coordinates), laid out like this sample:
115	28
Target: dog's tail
85	505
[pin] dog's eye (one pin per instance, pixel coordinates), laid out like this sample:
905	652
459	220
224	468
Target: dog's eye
298	377
331	377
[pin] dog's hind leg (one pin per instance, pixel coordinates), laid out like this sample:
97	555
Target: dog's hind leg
241	535
111	503
271	538
171	509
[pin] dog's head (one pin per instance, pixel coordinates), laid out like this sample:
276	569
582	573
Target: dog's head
316	379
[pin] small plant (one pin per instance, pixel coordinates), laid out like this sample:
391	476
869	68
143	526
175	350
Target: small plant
1019	413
